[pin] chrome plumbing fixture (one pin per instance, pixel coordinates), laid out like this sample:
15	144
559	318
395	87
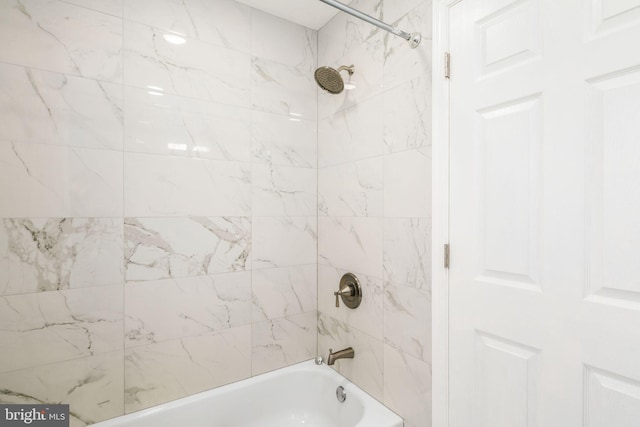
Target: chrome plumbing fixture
349	290
319	360
346	353
341	395
413	39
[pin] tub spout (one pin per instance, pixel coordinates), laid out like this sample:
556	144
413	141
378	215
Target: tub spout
347	353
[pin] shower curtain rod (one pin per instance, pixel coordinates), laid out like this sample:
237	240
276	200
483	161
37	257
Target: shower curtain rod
413	39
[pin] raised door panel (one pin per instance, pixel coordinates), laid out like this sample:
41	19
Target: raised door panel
614	197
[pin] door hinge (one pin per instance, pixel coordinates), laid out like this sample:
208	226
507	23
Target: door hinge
447	65
446	255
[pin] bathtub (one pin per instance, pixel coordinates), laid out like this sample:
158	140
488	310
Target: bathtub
300	395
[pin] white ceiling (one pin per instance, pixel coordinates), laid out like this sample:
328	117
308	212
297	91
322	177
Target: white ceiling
310	13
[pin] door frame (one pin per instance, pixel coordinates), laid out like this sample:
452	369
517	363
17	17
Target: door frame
440	214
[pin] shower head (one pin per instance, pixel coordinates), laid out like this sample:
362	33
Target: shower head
330	79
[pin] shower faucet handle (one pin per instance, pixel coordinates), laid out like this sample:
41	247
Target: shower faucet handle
349	291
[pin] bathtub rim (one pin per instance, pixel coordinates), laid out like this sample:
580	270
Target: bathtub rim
305	366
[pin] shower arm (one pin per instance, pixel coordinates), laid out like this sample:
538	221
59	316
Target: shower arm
413	39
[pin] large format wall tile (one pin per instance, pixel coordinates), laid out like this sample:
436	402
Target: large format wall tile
91	386
282	190
282	140
407	128
401	62
282	342
407	252
162	310
284	241
221	22
407	184
394	10
52	108
157	373
407	387
61	37
165	61
406	312
178	186
47	327
51	254
144	139
161	248
55	181
283	89
352	134
112	7
280	292
162	123
351	189
282	41
353	244
374	203
366	368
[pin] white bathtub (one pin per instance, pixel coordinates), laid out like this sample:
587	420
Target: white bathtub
300	395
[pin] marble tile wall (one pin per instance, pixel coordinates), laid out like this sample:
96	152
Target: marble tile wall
158	178
374	204
180	201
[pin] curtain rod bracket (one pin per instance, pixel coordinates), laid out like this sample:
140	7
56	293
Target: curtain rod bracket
413	39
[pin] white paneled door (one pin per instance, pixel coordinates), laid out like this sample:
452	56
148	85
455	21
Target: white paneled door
544	287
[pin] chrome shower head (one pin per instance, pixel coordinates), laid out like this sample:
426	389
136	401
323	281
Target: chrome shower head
330	79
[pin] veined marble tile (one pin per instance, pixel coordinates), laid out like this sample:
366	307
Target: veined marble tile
162	248
394	10
353	244
366	369
47	327
351	189
407	116
283	89
91	386
283	190
284	241
353	134
282	342
162	123
407	184
407	320
368	317
401	62
221	22
178	186
57	36
407	387
282	41
158	373
344	32
407	252
52	108
50	254
286	291
112	7
165	61
95	181
54	181
286	141
162	310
